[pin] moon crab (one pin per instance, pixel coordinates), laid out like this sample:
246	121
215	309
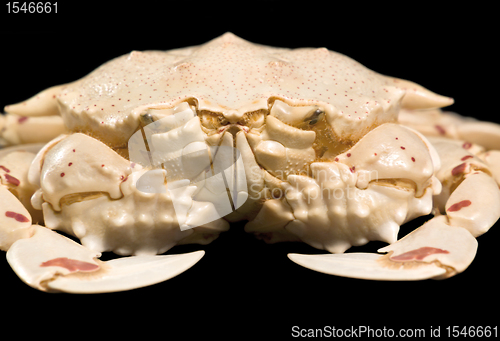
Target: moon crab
155	149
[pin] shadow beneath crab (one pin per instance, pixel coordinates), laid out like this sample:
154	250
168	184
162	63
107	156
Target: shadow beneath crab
238	259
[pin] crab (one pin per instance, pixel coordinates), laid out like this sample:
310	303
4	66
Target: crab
156	149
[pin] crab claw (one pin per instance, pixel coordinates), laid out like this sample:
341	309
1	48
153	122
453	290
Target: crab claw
51	262
435	250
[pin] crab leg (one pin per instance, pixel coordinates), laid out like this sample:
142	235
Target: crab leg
35	120
435	250
15	220
42	104
492	159
452	125
14	164
442	247
16	129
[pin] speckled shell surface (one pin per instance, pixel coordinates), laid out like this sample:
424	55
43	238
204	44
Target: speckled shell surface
231	76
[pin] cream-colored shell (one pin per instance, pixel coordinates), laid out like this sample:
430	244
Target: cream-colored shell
231	76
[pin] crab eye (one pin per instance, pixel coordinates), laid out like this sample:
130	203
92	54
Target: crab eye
297	116
315	116
146	119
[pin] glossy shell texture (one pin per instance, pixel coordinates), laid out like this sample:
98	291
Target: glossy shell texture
231	76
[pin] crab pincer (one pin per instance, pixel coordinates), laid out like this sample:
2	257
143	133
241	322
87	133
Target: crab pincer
442	247
49	261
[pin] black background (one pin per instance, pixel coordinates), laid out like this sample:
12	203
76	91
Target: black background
243	286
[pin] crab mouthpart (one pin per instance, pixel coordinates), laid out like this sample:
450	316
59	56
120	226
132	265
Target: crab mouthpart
233	129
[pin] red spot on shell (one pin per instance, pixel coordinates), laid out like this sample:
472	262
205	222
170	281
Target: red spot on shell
74	150
466	157
62	174
467	145
69	164
458	169
440	129
336	159
5	169
459	205
22	119
348	154
403	148
17	216
72	265
413	159
352	169
375	154
12	180
418	254
102	165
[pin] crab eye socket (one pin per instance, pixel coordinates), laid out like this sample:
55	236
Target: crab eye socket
211	120
298	116
167	119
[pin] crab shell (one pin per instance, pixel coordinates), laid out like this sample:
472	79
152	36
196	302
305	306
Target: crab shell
230	76
236	81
